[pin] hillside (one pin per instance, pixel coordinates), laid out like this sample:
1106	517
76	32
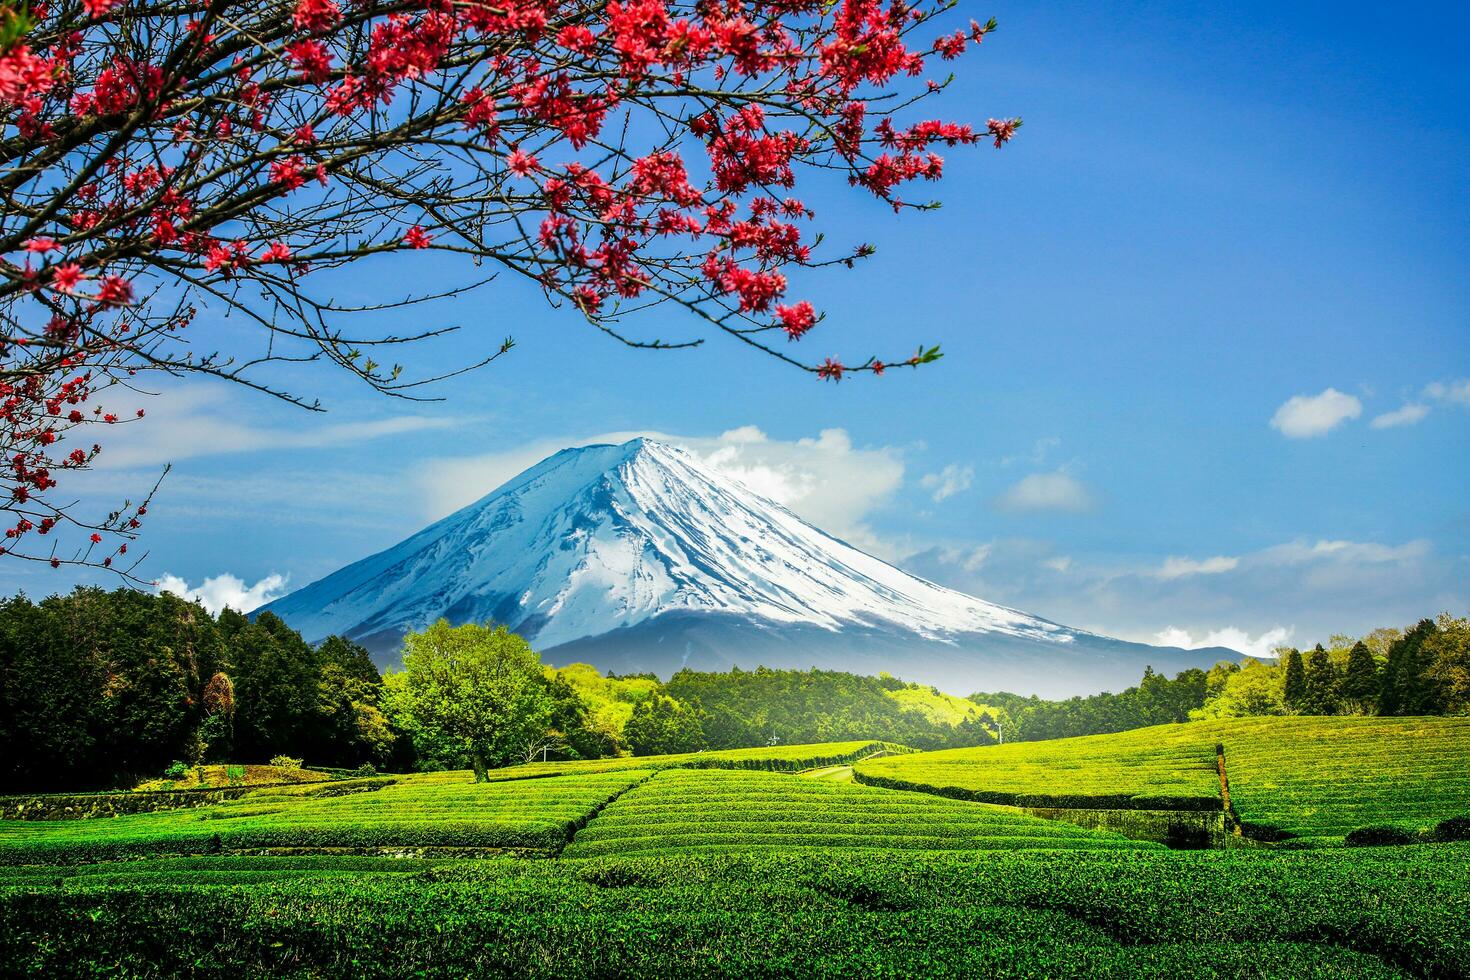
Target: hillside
1309	779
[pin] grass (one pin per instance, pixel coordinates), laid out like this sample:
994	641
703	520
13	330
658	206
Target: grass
1312	779
702	810
1346	913
372	814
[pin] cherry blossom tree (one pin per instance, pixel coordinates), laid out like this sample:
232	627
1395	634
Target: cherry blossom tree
161	156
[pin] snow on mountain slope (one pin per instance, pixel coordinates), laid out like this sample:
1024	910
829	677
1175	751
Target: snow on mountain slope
605	537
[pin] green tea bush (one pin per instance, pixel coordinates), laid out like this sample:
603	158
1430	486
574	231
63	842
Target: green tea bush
1174	769
286	762
1453	829
1379	837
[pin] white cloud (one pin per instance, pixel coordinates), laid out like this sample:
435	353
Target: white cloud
825	479
1180	567
1318	586
211	420
1450	392
1061	563
1344	552
1408	415
949	481
1262	645
1305	416
226	591
1059	491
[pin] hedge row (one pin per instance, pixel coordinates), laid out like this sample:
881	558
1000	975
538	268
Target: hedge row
1062	801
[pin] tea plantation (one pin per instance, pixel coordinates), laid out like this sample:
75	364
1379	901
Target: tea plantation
738	864
705	810
1310	780
1389	912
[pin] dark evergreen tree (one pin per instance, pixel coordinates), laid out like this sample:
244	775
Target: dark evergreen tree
1406	688
1294	683
51	703
1360	682
1323	683
276	697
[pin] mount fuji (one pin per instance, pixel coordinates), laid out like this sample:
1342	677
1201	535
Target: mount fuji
638	557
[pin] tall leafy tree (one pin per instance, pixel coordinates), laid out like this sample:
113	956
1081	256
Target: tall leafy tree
480	690
275	675
1447	664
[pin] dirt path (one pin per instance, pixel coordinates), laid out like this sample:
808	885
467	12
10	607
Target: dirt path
840	774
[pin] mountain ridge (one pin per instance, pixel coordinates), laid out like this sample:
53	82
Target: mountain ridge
618	553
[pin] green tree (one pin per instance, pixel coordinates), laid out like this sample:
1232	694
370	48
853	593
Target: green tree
1406	690
1253	690
1360	683
276	695
349	727
1447	665
479	690
1379	641
662	725
51	702
1322	694
1294	681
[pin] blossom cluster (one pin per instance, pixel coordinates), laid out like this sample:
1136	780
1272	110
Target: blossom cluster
618	155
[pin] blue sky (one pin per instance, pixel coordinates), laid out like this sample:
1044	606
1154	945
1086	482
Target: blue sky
1210	211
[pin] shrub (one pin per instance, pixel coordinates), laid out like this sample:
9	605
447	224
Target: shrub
285	762
1379	837
235	775
1455	828
176	770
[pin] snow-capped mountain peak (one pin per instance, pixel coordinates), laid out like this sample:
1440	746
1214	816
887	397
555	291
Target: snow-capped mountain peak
640	557
608	536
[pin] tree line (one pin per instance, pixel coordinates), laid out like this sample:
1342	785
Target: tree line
101	689
1423	670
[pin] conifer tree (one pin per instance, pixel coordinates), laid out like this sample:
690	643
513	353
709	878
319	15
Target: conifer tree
1406	690
1360	684
1294	688
1323	684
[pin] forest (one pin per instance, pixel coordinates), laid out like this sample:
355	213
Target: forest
104	689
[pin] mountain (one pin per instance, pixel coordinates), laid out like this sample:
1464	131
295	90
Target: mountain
637	557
